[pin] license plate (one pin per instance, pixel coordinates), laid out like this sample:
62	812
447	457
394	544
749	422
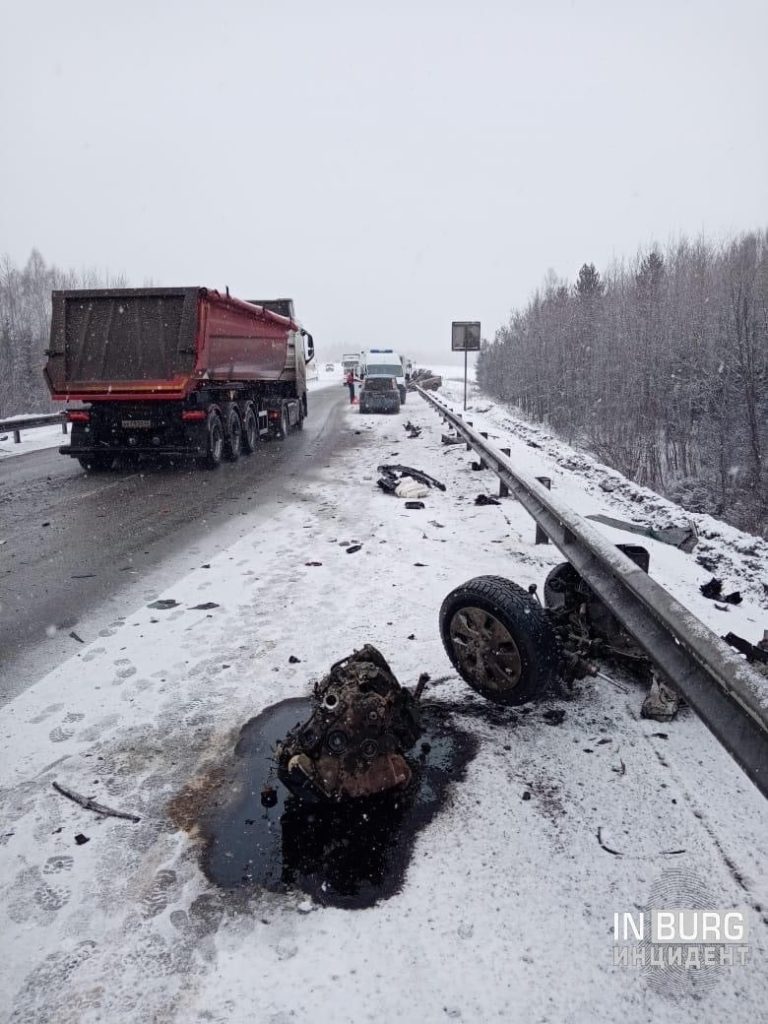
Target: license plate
137	424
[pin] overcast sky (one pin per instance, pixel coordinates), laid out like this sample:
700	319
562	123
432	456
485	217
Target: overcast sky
392	166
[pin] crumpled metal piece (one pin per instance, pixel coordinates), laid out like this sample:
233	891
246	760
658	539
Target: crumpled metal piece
353	744
662	702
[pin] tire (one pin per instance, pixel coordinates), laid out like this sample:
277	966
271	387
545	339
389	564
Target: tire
402	397
283	427
233	444
215	441
300	424
560	585
500	640
250	430
96	463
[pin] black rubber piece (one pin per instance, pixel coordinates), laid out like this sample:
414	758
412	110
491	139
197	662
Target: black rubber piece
527	623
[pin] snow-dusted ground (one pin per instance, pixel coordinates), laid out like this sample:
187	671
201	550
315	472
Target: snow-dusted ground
32	440
506	911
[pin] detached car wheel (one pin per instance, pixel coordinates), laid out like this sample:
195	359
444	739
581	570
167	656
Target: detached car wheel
500	640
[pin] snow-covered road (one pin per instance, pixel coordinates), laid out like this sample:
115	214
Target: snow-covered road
507	908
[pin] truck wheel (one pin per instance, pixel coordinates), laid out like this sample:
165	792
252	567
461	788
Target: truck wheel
300	424
215	441
233	444
250	431
96	463
500	639
283	425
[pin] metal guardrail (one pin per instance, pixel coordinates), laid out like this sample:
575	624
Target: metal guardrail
727	694
30	422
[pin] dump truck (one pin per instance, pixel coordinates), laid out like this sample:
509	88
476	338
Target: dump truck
186	372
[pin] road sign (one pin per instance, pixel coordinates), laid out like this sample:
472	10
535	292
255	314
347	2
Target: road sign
465	336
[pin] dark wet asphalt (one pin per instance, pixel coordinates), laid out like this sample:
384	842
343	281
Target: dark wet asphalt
71	542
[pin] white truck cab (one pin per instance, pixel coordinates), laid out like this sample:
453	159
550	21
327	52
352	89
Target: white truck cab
384	362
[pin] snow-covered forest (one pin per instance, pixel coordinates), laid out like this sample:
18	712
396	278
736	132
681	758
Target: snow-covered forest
659	366
25	319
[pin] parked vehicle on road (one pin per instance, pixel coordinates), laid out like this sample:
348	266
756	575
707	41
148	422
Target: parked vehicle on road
385	362
379	394
175	371
350	361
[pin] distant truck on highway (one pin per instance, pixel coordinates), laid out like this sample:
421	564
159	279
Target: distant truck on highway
175	372
350	361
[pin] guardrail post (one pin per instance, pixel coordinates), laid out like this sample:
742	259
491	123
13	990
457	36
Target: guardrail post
541	537
469	446
503	489
63	426
483	463
17	437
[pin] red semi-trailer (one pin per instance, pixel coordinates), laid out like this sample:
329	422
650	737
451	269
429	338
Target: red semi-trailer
175	371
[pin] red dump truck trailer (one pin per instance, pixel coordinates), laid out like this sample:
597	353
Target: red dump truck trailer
175	372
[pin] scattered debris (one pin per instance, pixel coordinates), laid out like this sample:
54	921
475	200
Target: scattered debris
477	466
424	379
684	537
554	716
753	652
415	504
526	795
409	488
46	524
74	636
163	604
533	444
662	702
421	565
293	660
448	439
714	591
413	430
80	839
363	721
607	849
391	475
268	796
353	548
439	526
484	499
82	576
204	607
92	805
313	563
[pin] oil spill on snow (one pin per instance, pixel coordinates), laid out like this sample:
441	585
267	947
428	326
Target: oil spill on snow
349	855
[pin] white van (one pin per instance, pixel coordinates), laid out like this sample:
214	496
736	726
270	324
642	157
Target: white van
384	362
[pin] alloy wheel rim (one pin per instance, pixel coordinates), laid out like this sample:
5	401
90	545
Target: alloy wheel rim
485	650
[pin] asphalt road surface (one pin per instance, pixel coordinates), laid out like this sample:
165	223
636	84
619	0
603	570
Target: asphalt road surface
72	543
